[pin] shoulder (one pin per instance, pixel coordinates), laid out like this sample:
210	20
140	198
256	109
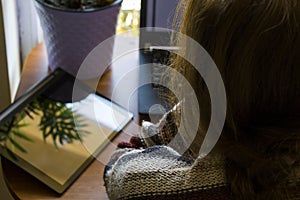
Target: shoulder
160	170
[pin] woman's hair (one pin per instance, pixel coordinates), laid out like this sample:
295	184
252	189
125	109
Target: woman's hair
256	46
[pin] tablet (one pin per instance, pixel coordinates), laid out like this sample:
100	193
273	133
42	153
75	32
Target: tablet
54	138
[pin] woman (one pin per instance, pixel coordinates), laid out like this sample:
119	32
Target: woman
255	44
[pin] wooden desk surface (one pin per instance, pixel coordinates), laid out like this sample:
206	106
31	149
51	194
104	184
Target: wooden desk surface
90	184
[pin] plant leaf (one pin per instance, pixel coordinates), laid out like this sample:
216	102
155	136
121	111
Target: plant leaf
22	136
18	146
10	153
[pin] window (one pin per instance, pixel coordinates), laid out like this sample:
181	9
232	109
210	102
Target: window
11	51
129	18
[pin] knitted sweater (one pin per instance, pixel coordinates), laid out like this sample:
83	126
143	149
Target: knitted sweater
159	172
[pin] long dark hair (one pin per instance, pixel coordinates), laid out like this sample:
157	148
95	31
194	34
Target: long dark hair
255	44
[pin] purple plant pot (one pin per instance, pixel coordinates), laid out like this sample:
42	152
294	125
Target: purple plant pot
71	35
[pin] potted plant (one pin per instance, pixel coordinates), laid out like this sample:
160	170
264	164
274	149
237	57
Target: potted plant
73	28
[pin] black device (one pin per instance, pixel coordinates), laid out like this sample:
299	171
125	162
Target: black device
54	138
156	17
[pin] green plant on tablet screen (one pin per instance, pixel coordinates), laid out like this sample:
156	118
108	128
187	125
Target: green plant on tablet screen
56	121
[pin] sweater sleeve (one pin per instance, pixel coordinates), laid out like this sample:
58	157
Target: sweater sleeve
160	133
163	131
138	171
159	171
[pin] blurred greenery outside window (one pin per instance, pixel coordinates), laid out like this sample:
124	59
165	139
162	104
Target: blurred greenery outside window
129	17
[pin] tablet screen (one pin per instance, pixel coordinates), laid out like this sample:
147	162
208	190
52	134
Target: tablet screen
53	138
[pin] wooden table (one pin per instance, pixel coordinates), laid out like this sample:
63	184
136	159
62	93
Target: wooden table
90	184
